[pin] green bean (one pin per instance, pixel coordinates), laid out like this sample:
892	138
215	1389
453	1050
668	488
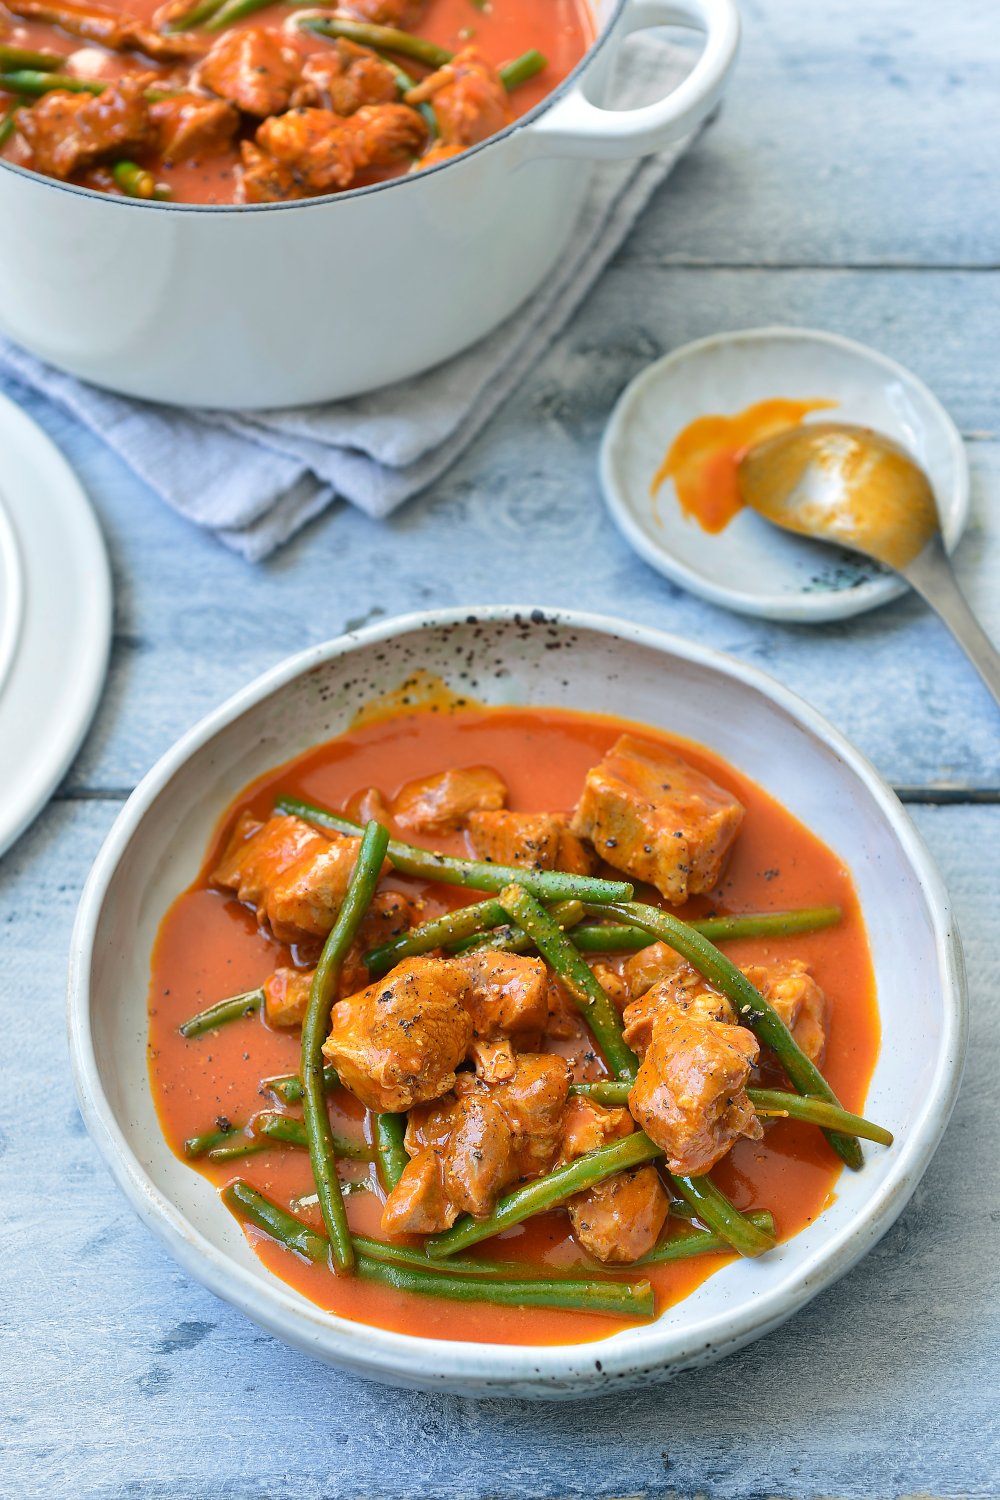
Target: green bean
607	1091
7	124
288	1086
522	68
233	10
292	1132
545	1193
203	11
714	1209
315	1025
390	1152
776	1103
481	875
136	182
209	1140
380	38
753	1010
246	1146
405	83
464	928
459	1265
579	979
38	81
24	57
217	1015
700	1242
617	1298
616	937
511	939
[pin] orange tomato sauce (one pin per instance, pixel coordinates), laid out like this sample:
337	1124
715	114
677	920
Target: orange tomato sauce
209	947
704	458
562	30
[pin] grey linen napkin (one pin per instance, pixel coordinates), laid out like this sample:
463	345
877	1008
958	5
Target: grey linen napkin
254	478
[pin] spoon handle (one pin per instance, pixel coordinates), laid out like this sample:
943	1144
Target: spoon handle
932	575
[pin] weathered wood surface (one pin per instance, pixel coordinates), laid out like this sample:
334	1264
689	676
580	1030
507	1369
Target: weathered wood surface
859	139
125	1378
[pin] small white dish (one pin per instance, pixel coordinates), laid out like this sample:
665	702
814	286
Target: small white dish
55	618
505	655
752	566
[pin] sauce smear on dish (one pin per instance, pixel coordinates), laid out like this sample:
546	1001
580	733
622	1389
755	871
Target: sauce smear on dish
546	762
703	459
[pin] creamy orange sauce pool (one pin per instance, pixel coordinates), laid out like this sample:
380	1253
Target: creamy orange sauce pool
703	459
209	947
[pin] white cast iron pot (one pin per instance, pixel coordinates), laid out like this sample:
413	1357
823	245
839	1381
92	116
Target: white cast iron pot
284	304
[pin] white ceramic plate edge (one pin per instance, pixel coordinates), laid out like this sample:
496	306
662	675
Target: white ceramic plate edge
52	744
798	608
468	1368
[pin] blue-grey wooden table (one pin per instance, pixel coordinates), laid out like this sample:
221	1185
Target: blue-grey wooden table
851	183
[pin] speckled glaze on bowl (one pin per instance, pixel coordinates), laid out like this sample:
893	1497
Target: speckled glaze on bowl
522	656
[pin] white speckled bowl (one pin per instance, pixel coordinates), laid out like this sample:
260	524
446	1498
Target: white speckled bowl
504	655
753	566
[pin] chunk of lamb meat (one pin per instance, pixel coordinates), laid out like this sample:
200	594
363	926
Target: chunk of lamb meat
507	999
649	813
442	803
343	78
307	152
189	126
690	1092
679	984
619	1219
398	1042
469	99
109	28
66	133
465	1150
296	877
403	14
286	991
790	987
252	70
535	841
286	995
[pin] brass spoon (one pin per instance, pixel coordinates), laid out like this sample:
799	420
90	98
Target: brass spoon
855	487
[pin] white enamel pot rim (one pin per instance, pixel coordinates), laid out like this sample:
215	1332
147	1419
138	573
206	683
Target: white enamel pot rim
655	1350
564	123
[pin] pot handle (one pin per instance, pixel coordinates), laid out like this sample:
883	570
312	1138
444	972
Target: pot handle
573	126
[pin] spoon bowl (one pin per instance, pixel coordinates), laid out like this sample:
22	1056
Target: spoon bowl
843	484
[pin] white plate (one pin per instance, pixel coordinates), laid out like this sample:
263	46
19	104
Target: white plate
55	618
752	566
503	655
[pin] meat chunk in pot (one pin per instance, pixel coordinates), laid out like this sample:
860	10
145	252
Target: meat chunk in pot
403	14
252	69
257	853
649	813
790	987
303	901
189	126
438	152
66	133
344	78
620	1219
468	1149
110	28
535	841
507	999
286	996
680	985
398	1042
690	1092
469	99
389	915
442	803
587	1125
